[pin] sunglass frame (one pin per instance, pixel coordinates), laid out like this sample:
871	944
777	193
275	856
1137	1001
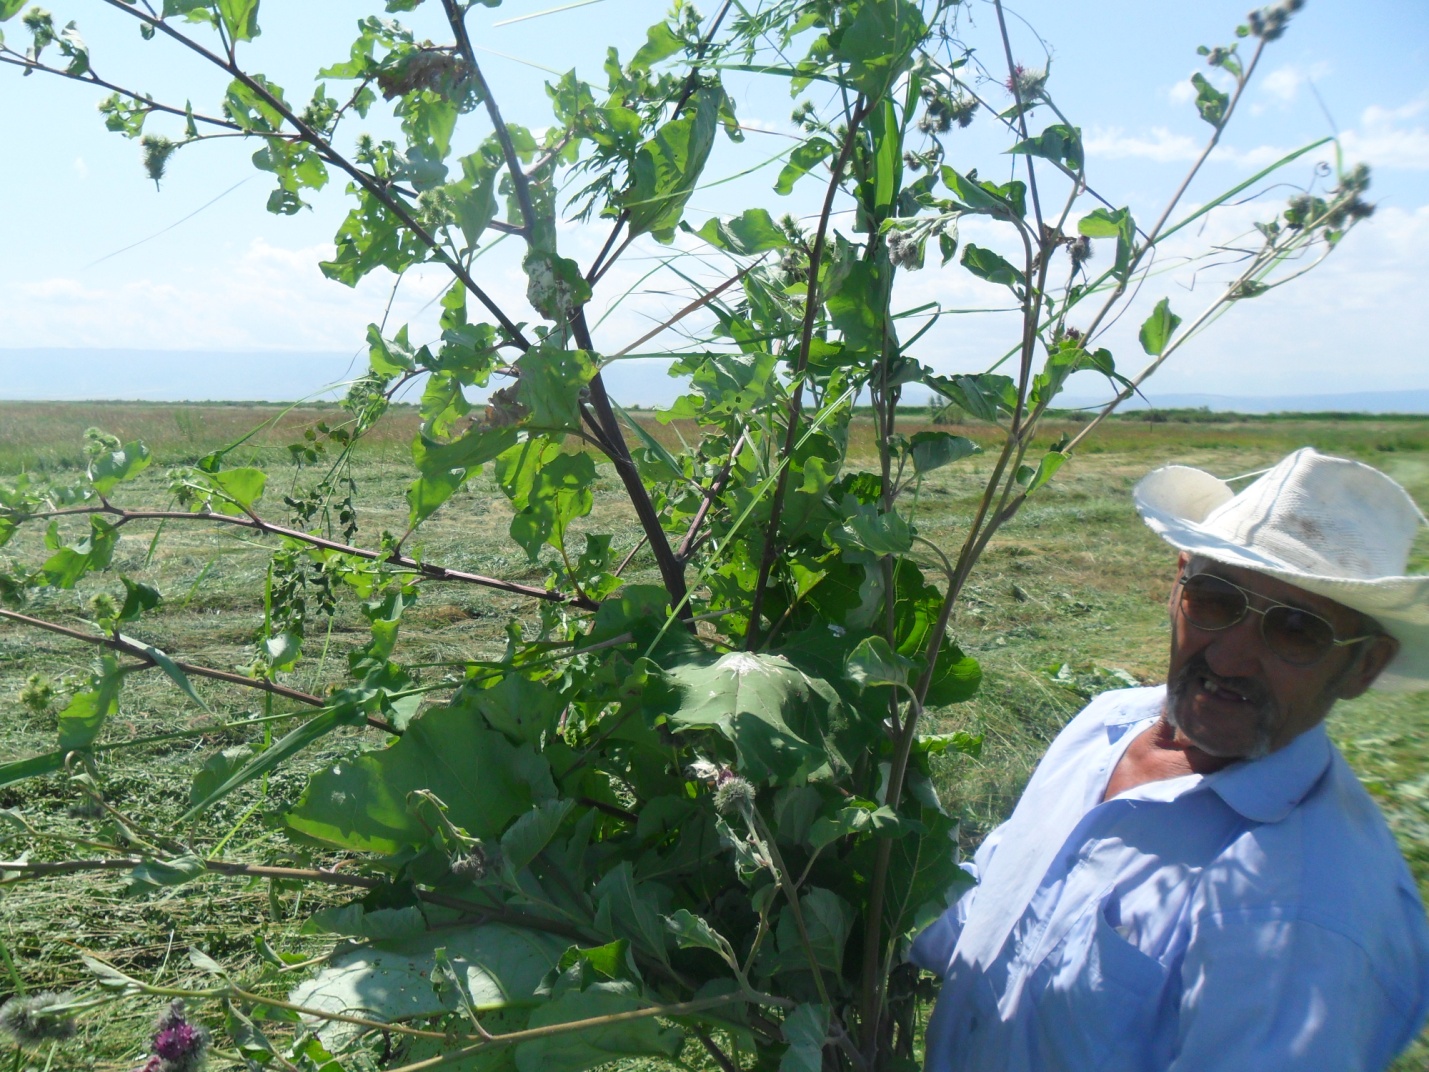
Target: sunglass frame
1270	605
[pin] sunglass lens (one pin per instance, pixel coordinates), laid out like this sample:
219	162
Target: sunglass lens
1297	636
1210	603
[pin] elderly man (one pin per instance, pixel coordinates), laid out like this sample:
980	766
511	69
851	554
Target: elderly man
1194	880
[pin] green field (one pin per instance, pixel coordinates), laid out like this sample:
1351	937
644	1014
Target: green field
1076	583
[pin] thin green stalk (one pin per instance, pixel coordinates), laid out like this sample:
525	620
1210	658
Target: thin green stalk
15	980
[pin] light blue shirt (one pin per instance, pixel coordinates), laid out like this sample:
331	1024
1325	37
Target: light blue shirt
1259	918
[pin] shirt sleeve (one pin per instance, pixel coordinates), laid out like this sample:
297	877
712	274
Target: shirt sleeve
932	950
1286	995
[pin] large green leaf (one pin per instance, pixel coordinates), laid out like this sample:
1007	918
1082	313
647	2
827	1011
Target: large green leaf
828	921
168	666
1001	202
1058	142
520	708
240	17
289	745
806	1029
933	450
868	530
629	909
532	832
117	466
956	677
447	466
551	384
777	717
1157	330
1118	224
981	396
484	780
68	564
576	1051
805	157
390	980
856	308
985	264
753	231
84	716
668	166
874	662
923	871
548	489
878	44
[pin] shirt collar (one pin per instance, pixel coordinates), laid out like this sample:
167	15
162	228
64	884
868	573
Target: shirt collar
1266	790
1263	790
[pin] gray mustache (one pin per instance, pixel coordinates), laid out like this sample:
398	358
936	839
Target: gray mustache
1197	668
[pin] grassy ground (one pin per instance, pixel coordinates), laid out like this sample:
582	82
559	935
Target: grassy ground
1076	581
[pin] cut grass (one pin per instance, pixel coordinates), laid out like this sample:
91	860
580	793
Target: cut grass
1075	580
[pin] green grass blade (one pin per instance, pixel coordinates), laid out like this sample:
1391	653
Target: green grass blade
285	747
20	769
168	666
1239	187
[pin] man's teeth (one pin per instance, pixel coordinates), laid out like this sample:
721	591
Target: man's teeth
1221	691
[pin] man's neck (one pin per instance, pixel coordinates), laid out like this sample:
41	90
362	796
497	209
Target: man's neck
1158	753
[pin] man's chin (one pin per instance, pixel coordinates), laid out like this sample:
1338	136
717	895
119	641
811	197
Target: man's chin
1237	741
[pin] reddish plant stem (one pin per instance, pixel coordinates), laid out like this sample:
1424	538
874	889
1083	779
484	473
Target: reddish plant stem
137	651
257	524
672	571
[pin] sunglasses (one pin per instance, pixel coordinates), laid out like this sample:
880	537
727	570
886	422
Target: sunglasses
1292	633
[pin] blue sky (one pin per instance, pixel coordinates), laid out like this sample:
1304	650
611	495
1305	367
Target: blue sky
233	278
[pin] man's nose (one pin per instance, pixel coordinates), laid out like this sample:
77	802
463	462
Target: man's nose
1238	650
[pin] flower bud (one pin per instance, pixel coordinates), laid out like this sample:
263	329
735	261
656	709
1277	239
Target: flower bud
30	1022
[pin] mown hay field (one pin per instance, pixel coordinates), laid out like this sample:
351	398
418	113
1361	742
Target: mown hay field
1069	600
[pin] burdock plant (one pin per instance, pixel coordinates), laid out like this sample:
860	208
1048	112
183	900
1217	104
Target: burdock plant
39	1018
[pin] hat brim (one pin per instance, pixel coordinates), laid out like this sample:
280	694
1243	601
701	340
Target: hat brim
1175	499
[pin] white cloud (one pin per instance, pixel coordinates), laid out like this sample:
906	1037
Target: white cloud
1385	139
1342	327
1159	144
267	298
1283	84
1182	92
1162	146
81	168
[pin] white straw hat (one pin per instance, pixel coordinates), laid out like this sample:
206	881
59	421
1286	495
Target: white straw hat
1334	527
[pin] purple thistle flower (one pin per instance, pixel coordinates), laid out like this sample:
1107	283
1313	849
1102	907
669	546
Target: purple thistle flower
179	1042
178	1045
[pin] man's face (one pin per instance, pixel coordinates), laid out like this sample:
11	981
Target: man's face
1231	697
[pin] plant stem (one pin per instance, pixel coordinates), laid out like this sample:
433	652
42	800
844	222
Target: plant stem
672	571
118	644
806	335
1016	86
257	524
15	980
520	181
328	153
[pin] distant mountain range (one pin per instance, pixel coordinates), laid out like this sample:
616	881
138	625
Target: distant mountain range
59	375
269	376
1347	402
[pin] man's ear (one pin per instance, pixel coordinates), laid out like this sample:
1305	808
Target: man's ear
1181	560
1367	666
